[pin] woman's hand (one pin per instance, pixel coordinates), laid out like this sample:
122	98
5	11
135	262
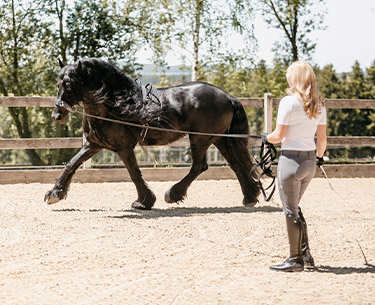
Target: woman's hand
263	137
319	161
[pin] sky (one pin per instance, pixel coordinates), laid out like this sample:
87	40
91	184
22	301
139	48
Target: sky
349	36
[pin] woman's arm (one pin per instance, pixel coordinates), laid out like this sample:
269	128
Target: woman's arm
278	134
321	140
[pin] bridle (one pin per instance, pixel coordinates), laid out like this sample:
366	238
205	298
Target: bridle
61	104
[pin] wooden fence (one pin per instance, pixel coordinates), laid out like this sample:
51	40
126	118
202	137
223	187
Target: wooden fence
160	174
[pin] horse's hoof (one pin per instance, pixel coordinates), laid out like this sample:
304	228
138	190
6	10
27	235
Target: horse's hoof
169	199
52	197
249	203
52	200
140	206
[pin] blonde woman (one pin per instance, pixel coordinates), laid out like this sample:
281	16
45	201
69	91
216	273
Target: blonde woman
301	116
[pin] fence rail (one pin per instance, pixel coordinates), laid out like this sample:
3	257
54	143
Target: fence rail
57	143
48	101
268	103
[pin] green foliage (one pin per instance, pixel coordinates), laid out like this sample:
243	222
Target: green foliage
370	82
352	85
250	82
199	31
29	46
98	29
296	19
356	84
33	34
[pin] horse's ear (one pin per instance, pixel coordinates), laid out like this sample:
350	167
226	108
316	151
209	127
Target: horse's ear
79	66
62	65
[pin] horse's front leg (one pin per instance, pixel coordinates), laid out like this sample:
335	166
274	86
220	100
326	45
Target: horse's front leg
61	187
146	198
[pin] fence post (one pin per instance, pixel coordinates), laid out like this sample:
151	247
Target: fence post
268	112
86	164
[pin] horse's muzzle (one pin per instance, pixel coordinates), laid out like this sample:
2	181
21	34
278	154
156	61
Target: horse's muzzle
59	114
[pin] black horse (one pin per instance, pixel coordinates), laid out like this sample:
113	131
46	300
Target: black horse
105	91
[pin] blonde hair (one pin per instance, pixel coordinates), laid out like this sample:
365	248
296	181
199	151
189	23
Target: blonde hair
302	82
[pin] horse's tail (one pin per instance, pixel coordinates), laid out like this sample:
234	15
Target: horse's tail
239	125
236	151
239	148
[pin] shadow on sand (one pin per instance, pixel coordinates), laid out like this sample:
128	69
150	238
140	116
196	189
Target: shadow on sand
187	212
368	268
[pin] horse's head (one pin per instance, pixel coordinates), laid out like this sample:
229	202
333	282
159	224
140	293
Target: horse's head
70	91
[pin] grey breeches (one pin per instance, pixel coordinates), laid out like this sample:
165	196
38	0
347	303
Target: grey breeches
294	173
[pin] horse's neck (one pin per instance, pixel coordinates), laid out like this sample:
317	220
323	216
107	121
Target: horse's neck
130	83
120	84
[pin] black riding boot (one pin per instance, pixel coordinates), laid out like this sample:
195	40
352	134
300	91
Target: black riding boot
307	257
295	262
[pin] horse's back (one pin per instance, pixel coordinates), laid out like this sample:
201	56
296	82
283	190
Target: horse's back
195	86
198	95
204	106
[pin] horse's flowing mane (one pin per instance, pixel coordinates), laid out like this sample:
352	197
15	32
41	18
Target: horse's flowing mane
126	99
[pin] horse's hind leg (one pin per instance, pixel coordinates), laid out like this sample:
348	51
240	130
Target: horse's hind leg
198	146
239	160
146	198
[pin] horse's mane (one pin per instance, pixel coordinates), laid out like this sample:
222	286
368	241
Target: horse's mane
126	99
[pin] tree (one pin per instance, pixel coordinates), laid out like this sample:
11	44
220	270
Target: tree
329	82
370	82
27	45
357	122
296	19
351	85
199	31
355	85
331	87
278	83
101	29
56	9
19	36
34	32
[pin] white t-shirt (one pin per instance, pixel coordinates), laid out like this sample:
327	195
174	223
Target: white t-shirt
301	130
